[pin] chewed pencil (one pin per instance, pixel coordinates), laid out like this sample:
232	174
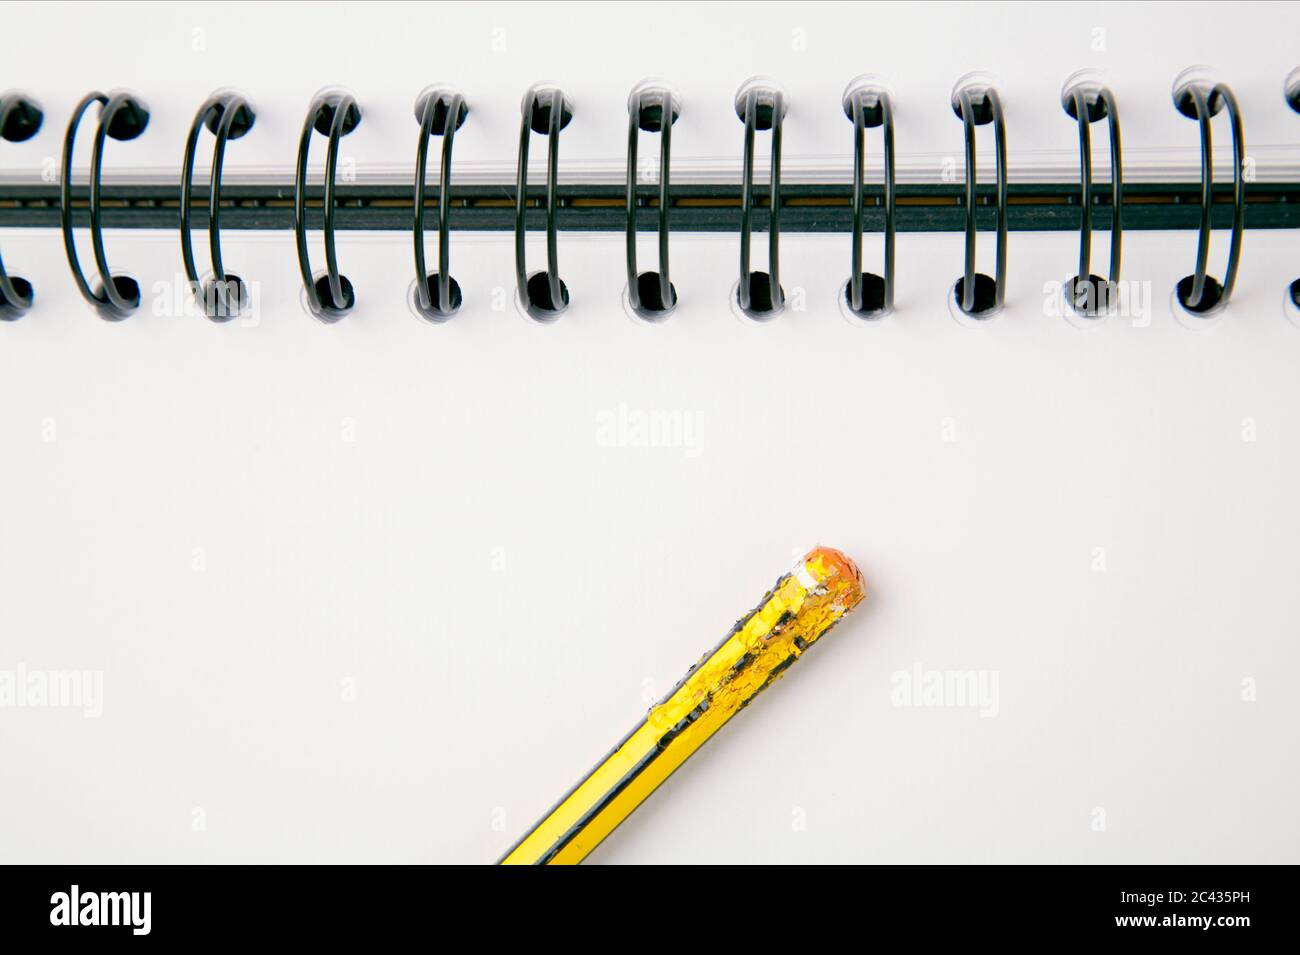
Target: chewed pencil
823	586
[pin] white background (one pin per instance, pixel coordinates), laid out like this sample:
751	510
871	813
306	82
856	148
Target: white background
429	597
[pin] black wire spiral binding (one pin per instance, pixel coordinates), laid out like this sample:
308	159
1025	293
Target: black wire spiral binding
1090	295
439	112
20	120
122	116
545	110
976	294
1291	90
759	294
870	296
228	115
652	108
1200	293
332	113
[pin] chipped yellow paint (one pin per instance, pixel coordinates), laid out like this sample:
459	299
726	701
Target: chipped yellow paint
803	605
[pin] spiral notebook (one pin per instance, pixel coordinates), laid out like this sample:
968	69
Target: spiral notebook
381	586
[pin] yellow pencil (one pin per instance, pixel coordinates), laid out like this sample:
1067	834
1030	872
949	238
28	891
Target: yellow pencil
823	586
